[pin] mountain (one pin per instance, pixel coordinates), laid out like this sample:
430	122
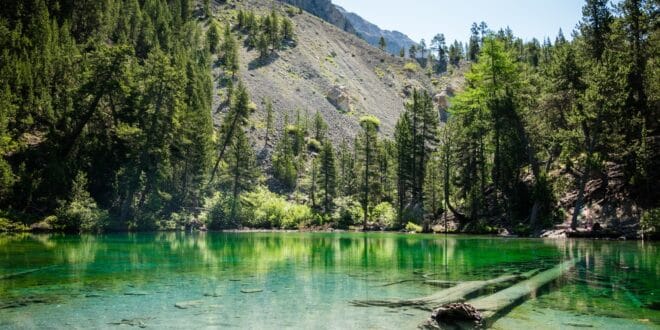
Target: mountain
326	10
329	70
370	32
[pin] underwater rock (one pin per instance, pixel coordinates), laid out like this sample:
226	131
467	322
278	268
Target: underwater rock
188	304
136	293
26	301
252	290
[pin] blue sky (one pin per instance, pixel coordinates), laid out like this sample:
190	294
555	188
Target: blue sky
424	18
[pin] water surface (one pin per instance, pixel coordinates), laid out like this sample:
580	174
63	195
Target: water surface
307	280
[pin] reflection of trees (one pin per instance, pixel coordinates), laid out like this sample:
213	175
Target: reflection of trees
114	260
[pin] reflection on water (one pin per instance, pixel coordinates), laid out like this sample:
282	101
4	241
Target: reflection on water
302	280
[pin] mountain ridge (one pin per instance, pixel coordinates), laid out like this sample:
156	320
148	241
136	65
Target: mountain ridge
394	40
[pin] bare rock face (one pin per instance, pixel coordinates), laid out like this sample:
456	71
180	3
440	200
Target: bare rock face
340	98
441	101
325	10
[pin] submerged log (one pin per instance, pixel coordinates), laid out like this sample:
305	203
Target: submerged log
26	272
491	307
458	293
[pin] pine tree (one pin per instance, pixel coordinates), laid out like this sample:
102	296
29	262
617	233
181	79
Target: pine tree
474	43
230	52
320	127
328	175
368	145
382	44
213	37
242	170
439	45
234	122
595	26
269	121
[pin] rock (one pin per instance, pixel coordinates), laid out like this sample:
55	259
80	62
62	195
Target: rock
41	227
340	98
136	322
136	293
456	314
26	301
188	304
252	290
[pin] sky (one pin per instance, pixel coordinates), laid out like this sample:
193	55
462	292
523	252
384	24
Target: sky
425	18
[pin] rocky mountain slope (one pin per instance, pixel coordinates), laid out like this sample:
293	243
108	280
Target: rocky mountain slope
370	32
329	70
325	10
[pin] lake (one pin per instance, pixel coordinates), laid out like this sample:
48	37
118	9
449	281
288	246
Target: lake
308	280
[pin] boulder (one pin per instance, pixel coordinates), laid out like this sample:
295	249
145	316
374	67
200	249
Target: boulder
340	98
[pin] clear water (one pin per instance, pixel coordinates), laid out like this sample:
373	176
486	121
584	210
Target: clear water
307	280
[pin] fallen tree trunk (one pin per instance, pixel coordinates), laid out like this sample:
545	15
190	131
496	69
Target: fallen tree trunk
458	293
26	272
489	308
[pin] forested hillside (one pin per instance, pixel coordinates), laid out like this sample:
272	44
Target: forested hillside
170	114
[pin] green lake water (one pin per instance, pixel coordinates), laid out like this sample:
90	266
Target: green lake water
307	280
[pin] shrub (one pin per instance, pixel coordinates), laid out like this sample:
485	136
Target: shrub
348	211
411	67
265	209
80	213
650	222
7	226
412	227
218	212
385	214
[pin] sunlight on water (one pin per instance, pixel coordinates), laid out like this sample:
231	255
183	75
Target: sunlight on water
277	280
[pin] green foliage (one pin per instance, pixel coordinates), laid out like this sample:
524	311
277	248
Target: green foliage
384	214
264	209
213	37
80	212
8	226
218	212
348	212
411	67
650	222
413	228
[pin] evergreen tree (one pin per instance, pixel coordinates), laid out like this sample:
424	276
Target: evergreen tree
233	122
368	145
382	44
242	170
213	37
474	43
328	175
439	45
320	127
230	52
269	121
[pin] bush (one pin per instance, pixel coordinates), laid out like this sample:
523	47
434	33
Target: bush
265	209
348	211
413	228
7	226
313	145
411	67
80	213
650	222
385	214
218	212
